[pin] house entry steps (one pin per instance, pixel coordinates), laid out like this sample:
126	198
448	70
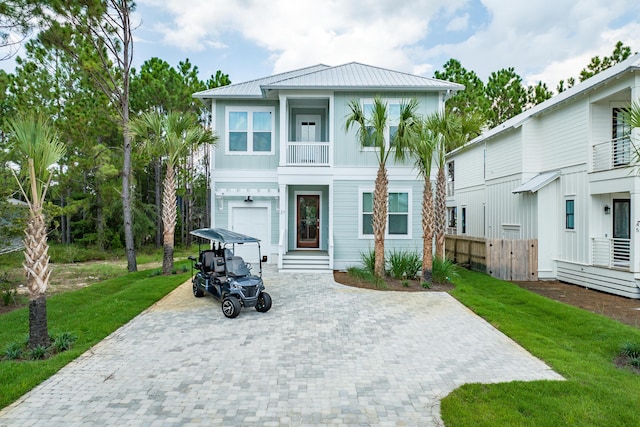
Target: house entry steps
301	260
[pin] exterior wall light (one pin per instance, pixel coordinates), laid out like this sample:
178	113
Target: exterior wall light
607	210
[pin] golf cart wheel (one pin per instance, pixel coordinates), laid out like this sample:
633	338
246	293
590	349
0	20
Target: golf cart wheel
197	292
231	307
264	302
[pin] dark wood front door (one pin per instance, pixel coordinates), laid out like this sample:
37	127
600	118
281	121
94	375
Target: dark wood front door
308	221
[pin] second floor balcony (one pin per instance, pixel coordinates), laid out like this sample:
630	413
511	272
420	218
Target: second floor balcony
307	153
612	154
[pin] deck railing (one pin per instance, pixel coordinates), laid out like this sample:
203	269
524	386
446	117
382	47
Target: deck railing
611	253
307	154
612	154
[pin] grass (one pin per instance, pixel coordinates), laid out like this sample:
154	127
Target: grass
90	314
579	345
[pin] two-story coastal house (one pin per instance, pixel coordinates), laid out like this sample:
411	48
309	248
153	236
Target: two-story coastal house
562	173
286	171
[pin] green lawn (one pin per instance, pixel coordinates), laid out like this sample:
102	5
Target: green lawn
579	345
91	314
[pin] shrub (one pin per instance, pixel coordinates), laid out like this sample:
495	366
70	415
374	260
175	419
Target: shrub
444	270
64	341
367	276
13	351
38	352
404	264
369	260
630	350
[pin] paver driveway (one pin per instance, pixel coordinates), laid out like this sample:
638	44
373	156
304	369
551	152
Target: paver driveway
325	354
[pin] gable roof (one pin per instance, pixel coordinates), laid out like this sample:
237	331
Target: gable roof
351	76
630	64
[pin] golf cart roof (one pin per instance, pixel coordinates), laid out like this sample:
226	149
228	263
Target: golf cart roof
224	236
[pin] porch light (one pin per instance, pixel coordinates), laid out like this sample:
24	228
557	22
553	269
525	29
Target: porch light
607	210
248	199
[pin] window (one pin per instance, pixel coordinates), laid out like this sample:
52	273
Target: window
621	138
398	221
393	117
250	130
451	177
569	215
463	220
452	214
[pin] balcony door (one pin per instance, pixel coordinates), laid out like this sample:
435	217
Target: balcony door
307	128
621	138
308	221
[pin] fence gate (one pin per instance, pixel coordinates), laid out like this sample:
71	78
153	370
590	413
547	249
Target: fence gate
511	259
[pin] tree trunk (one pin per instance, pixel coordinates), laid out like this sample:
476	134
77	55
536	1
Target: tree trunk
169	219
157	166
427	231
380	218
36	266
38	330
99	218
441	213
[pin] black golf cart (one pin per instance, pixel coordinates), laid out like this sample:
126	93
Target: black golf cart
226	276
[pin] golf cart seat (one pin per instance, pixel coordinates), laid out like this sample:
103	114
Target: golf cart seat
211	263
236	267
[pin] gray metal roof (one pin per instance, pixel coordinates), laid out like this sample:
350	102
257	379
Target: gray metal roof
351	76
251	89
537	182
222	235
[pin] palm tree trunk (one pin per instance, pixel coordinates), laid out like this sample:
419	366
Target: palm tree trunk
380	218
427	231
37	269
169	219
157	167
440	213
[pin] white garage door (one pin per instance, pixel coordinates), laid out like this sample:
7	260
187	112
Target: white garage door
253	221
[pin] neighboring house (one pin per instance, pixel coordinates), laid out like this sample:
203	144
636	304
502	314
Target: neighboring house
286	171
563	173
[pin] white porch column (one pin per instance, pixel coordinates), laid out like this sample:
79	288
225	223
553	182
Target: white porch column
283	237
284	130
634	255
331	210
212	158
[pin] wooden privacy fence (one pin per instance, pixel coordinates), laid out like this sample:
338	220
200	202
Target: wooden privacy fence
507	259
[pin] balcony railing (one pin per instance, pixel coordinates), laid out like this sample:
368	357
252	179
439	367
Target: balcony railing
307	154
451	189
611	253
612	154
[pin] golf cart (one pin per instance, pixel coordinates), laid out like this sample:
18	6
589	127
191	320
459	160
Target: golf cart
227	276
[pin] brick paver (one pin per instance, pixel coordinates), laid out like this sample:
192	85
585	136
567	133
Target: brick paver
325	355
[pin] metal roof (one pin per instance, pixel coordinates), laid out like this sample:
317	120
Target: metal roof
537	182
224	236
353	75
251	89
630	64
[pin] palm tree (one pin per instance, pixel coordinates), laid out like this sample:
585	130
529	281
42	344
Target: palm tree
36	149
170	137
450	131
371	132
422	150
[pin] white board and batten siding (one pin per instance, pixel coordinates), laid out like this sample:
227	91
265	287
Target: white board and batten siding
607	280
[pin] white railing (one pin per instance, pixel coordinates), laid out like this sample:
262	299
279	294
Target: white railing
452	230
611	253
307	154
612	154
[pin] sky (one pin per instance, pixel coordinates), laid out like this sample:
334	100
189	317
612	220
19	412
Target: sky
544	40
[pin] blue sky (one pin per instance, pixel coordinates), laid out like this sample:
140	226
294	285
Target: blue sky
544	40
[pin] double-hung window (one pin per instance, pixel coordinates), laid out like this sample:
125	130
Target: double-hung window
398	215
250	130
569	214
393	118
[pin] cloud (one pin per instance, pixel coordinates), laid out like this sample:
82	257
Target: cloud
458	23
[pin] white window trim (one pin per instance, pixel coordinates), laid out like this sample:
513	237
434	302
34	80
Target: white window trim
389	101
387	236
249	110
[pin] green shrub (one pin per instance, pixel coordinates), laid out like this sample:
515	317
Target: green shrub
630	350
404	264
369	260
72	253
37	352
366	276
63	341
444	270
13	351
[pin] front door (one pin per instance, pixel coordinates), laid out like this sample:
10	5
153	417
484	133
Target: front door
308	221
621	232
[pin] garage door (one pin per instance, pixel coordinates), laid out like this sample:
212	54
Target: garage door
253	221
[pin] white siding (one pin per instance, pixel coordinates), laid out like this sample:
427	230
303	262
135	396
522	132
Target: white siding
504	155
575	244
510	216
564	136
